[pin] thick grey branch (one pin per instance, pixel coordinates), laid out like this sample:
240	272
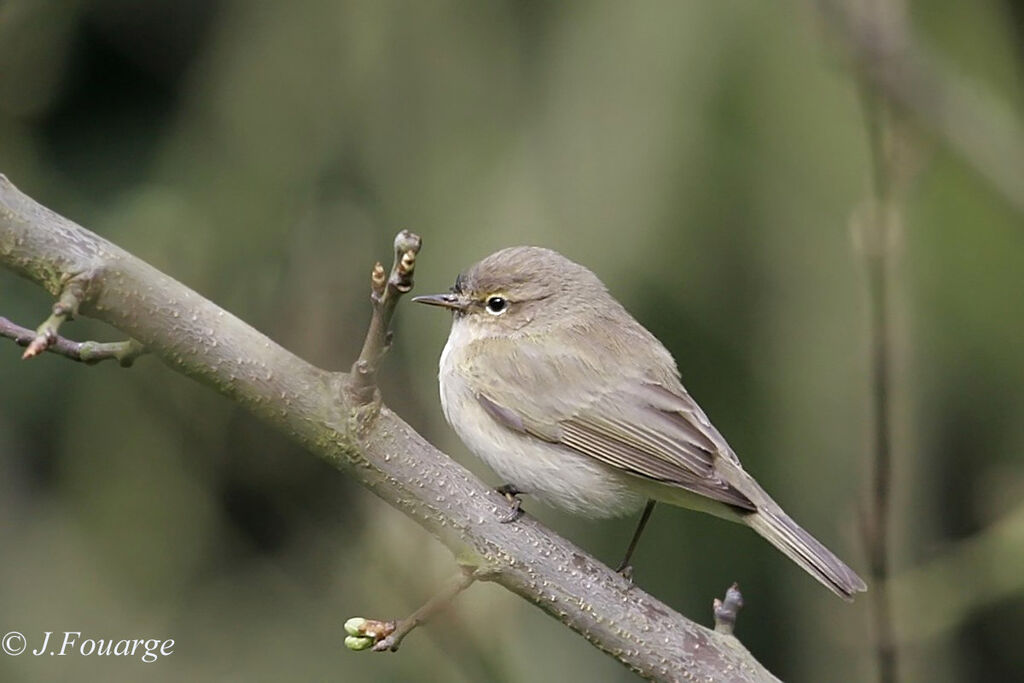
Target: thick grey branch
201	340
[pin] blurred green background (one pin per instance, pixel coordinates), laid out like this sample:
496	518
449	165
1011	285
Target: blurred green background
703	158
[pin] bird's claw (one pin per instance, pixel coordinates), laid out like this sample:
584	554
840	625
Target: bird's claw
515	505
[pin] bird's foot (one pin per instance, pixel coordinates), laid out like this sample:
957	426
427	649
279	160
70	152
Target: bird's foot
626	571
515	505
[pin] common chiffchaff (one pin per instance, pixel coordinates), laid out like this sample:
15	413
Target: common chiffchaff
557	388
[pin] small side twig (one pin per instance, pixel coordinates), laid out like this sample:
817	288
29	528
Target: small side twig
65	308
88	352
386	290
382	636
726	610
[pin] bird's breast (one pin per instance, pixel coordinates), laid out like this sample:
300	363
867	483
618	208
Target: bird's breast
547	471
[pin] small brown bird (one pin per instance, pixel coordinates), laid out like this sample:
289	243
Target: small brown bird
567	397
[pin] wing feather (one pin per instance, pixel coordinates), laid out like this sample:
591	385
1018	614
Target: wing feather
643	429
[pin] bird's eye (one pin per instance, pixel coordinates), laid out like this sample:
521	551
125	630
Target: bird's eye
496	305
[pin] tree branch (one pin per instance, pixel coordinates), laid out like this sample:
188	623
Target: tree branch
990	558
88	352
195	337
971	121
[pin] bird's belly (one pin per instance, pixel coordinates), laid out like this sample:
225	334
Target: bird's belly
551	473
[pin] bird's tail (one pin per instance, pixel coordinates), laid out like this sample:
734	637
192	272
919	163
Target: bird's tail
817	560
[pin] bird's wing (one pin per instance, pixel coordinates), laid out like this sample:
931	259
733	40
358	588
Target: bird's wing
648	428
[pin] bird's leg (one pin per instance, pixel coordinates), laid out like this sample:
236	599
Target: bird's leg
510	492
624	567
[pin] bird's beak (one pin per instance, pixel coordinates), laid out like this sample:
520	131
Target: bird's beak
452	301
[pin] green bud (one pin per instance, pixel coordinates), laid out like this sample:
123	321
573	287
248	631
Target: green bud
358	643
355	626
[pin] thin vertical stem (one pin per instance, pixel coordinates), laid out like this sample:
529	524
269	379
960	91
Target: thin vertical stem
879	226
878	229
879	277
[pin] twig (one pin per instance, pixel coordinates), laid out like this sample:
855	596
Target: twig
972	122
385	291
382	636
65	308
726	610
88	352
988	558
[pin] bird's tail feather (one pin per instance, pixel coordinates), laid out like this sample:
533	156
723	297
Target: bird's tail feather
817	560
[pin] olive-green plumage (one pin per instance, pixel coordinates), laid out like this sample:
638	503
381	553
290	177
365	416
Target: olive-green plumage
548	379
